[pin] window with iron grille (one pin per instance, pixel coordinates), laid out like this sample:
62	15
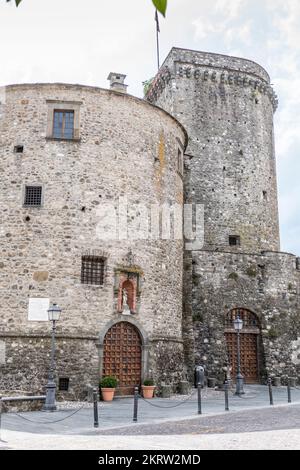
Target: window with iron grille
63	384
33	196
63	124
92	270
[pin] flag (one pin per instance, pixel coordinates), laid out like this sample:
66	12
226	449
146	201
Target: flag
157	21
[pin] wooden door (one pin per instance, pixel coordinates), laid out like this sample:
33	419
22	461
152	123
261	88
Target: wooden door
249	344
249	355
123	357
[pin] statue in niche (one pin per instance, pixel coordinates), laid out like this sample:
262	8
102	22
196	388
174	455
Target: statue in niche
126	309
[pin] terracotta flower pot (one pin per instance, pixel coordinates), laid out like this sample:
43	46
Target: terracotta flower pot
108	394
148	391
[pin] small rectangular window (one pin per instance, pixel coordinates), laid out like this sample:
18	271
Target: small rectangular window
19	149
63	124
63	384
298	264
234	240
92	270
33	196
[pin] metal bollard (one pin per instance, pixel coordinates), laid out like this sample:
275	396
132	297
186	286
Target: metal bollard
289	392
226	388
199	399
270	391
95	399
135	404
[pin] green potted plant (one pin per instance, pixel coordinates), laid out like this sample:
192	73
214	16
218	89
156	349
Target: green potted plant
148	388
108	386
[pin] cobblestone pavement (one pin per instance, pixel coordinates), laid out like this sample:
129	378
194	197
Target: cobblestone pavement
268	419
267	440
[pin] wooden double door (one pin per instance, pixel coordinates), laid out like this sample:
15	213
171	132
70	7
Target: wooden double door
122	357
249	345
249	355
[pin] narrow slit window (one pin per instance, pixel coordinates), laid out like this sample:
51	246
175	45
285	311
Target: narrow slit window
63	124
33	196
180	162
92	270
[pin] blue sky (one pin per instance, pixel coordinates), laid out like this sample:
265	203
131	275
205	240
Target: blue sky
80	41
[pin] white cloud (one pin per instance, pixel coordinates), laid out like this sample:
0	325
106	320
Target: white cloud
230	8
70	41
223	19
239	33
286	21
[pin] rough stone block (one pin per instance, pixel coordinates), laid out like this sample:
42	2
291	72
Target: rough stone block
184	388
166	391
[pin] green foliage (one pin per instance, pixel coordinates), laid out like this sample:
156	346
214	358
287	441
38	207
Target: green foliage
147	85
17	2
273	333
161	6
108	382
251	271
197	317
233	276
148	382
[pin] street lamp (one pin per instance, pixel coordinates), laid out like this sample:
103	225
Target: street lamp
238	325
53	315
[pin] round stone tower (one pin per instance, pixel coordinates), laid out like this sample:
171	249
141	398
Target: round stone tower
84	174
227	106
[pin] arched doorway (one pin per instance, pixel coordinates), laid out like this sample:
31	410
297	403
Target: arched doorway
122	356
249	344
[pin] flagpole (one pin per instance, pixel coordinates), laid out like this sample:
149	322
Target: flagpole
157	39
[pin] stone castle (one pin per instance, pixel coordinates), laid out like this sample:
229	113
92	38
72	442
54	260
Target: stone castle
132	306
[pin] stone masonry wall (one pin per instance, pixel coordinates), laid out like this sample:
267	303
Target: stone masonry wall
124	148
269	286
226	105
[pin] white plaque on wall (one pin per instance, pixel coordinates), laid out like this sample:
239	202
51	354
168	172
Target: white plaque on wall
2	352
38	309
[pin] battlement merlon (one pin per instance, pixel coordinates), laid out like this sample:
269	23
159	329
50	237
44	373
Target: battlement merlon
213	67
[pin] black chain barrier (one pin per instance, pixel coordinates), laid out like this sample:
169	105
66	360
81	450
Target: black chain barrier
48	422
18	415
172	406
243	396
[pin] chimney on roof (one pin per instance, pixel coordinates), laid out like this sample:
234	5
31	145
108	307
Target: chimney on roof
117	82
